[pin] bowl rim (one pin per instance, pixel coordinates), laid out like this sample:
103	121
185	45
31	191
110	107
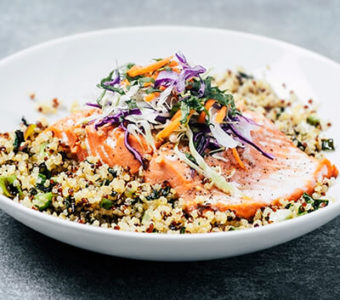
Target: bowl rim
270	228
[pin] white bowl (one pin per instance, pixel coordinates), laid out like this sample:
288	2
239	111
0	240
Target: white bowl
69	69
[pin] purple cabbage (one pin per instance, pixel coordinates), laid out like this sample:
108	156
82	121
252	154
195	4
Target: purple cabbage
201	142
161	119
237	119
114	81
117	118
169	78
245	140
133	151
202	88
181	58
93	105
166	78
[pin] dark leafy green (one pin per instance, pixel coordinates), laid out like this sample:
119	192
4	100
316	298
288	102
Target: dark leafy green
106	203
327	144
19	138
313	120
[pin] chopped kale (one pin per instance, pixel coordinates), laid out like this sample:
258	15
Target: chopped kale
106	203
313	120
131	104
19	138
113	172
327	144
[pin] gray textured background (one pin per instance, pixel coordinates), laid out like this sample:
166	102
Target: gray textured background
33	266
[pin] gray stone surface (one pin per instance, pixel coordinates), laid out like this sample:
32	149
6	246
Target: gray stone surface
33	266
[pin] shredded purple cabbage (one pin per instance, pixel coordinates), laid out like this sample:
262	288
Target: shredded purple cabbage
93	105
161	119
202	89
133	151
201	142
237	119
244	139
117	118
181	58
169	78
114	80
166	78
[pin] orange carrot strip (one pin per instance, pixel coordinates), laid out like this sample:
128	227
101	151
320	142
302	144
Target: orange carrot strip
125	82
208	105
146	84
137	70
173	63
238	159
173	125
178	114
221	114
154	75
151	96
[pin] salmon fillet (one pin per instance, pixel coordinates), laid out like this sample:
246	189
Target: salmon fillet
262	182
107	142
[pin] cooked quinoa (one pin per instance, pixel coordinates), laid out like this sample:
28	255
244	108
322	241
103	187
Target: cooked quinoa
90	192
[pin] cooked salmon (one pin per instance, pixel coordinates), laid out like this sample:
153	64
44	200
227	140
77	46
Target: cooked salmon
107	142
261	181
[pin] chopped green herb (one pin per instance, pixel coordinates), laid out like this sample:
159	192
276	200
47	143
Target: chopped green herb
108	87
152	90
165	191
113	172
131	103
143	80
244	75
106	203
130	65
24	121
185	109
42	201
191	158
70	203
316	203
182	230
44	170
188	104
112	89
220	96
313	120
327	144
19	138
10	186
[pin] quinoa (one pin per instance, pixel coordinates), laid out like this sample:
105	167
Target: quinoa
90	192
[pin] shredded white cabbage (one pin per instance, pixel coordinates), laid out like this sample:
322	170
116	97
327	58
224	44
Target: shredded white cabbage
204	169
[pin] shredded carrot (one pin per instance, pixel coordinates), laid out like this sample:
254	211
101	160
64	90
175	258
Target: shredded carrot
162	87
178	114
173	125
207	106
176	70
125	82
221	114
138	70
154	75
151	96
238	159
146	84
173	63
